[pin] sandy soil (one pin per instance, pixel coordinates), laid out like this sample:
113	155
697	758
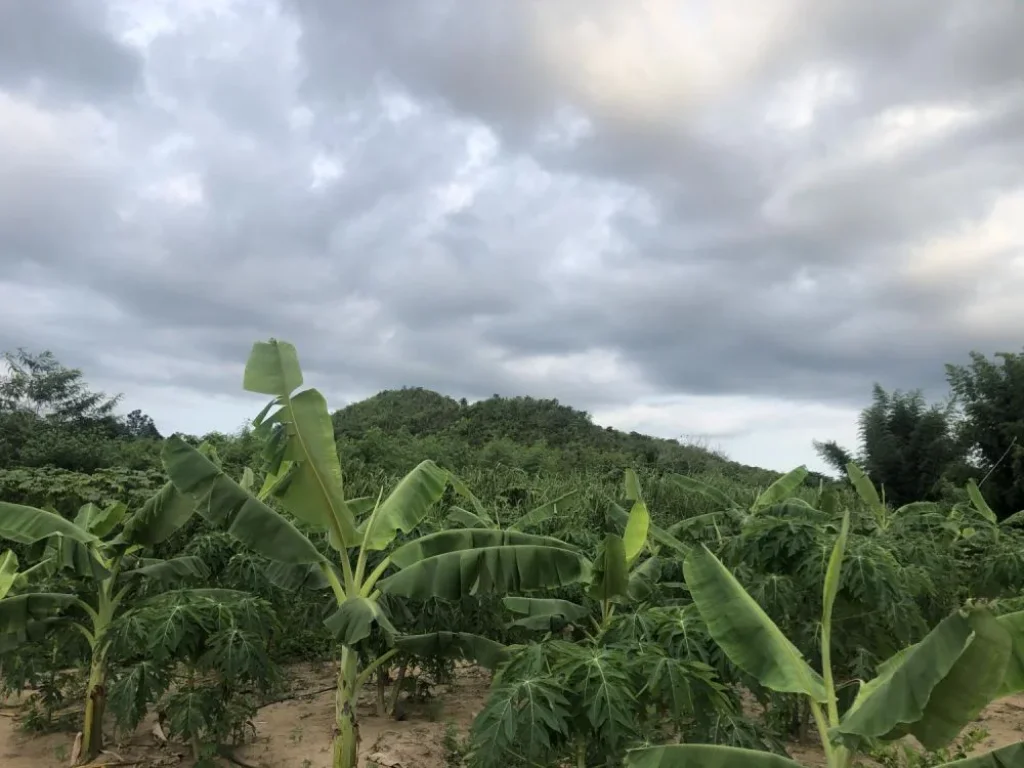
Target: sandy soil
296	733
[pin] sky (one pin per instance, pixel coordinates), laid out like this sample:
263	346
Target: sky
714	221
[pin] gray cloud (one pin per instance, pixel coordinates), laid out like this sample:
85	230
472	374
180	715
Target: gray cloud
63	51
569	200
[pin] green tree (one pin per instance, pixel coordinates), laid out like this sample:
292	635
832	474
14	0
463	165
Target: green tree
906	445
139	425
991	393
40	385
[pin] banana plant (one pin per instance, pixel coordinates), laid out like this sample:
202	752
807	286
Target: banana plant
24	615
106	562
619	576
303	475
930	690
479	517
956	524
779	492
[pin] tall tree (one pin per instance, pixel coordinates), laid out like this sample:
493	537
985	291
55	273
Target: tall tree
138	424
906	445
49	416
40	385
991	393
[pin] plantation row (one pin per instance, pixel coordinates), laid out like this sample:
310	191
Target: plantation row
622	624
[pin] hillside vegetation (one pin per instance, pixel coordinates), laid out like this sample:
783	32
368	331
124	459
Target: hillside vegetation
528	433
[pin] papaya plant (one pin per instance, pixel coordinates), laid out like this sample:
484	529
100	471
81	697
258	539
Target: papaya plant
930	690
303	475
199	655
639	671
107	569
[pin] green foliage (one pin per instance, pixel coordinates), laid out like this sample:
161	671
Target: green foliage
904	755
201	658
103	572
931	689
50	417
395	429
907	446
302	474
991	393
603	651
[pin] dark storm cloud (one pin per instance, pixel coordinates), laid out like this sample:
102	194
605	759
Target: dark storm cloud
446	195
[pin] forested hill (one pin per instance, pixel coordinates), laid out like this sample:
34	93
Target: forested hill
525	432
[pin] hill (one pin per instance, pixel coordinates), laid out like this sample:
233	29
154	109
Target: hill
525	432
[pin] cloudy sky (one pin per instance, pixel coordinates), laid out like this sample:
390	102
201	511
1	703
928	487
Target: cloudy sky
721	220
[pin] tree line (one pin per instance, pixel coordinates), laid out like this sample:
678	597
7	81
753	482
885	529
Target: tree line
911	448
916	450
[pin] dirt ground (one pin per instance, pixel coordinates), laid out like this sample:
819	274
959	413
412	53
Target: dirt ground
296	733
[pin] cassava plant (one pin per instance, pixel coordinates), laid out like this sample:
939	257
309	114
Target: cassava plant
930	690
100	549
303	475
